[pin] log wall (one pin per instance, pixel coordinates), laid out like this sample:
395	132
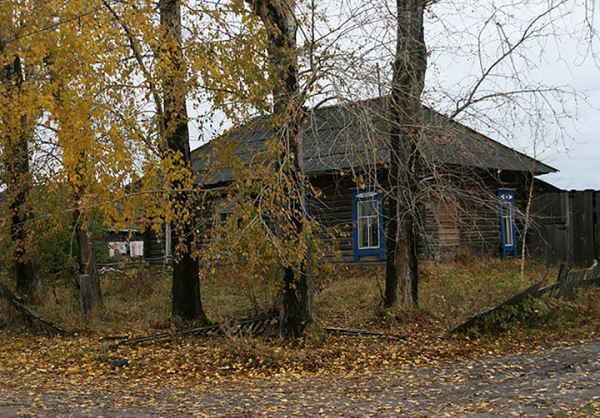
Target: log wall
466	217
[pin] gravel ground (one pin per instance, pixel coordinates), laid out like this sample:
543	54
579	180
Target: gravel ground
543	383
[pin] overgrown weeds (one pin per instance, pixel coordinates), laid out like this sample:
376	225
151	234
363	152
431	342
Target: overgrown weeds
137	301
9	317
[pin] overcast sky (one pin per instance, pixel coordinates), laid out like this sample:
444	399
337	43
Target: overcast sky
465	36
560	56
579	165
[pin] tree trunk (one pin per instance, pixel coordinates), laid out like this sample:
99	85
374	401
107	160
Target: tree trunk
406	116
90	294
278	17
187	302
19	188
18	182
527	222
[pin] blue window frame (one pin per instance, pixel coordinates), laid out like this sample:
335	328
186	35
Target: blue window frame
508	226
368	227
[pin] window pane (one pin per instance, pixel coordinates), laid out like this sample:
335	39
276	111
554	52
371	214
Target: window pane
368	223
363	234
507	223
374	236
508	233
367	208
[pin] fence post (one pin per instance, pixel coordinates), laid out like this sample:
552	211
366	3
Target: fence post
596	226
569	226
588	227
87	298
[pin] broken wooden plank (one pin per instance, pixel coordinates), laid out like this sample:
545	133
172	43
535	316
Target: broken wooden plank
362	333
548	289
568	285
253	324
27	312
531	292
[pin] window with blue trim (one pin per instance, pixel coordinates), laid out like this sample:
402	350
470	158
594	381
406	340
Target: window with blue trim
508	226
367	216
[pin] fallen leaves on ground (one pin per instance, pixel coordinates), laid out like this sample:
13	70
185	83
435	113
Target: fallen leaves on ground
201	374
187	361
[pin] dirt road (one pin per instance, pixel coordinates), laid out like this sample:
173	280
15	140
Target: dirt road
535	384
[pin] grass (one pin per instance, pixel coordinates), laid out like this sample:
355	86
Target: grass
137	300
449	292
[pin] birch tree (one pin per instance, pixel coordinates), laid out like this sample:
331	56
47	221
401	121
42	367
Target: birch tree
281	25
186	301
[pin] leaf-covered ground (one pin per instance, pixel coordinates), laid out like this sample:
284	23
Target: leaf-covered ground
561	381
543	363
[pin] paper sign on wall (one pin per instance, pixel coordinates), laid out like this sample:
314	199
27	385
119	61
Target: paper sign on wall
120	248
136	248
117	248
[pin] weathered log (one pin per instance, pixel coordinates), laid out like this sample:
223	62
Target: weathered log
567	282
362	333
26	312
531	292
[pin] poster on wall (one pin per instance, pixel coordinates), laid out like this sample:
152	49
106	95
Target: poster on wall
123	248
117	248
136	248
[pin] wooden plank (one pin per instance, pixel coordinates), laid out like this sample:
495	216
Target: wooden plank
548	240
569	227
477	320
581	279
578	227
582	230
569	284
588	228
596	227
26	312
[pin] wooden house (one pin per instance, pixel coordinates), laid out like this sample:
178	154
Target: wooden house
474	188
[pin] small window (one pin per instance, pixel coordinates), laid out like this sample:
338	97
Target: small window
223	217
223	212
368	223
367	214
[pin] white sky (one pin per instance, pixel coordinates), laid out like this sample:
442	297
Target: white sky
560	57
557	57
579	164
579	159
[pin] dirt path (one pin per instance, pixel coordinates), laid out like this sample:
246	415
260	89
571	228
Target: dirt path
537	384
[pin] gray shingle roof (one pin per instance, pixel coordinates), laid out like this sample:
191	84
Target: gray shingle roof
354	136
